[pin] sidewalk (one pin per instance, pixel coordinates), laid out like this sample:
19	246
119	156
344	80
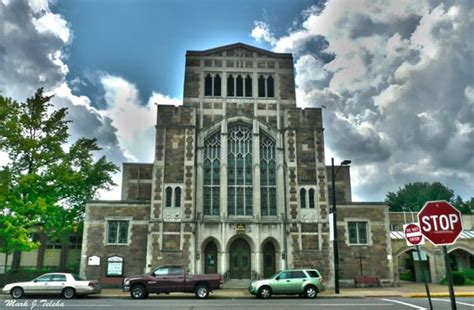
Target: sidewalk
405	290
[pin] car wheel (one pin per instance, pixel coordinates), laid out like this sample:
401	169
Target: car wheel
16	292
201	291
265	292
69	293
310	292
138	292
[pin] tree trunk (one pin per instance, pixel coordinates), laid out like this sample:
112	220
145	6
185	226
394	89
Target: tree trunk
41	250
63	257
16	259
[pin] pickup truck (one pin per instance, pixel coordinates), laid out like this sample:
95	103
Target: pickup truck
168	279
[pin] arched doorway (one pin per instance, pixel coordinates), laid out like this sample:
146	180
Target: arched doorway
410	268
268	260
239	260
210	263
461	259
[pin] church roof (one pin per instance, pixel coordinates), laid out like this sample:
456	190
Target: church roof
238	45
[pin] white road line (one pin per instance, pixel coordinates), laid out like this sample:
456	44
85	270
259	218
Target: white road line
458	302
262	305
404	303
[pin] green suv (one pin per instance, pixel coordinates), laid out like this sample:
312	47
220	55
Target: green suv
305	282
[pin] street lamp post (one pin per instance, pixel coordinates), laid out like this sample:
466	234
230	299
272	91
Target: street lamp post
334	222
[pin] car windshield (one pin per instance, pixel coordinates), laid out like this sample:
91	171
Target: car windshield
77	278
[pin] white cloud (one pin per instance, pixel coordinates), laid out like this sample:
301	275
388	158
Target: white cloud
55	24
262	32
398	89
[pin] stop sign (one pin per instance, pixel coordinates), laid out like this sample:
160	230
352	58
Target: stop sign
440	222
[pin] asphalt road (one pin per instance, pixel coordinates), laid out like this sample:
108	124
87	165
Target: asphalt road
277	303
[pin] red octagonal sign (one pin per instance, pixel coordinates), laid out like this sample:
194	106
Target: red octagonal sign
440	222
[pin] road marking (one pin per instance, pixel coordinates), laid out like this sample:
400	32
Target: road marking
264	306
458	302
89	305
404	303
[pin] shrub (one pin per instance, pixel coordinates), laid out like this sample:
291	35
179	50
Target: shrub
458	279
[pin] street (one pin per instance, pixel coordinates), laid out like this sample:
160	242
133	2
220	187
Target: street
277	303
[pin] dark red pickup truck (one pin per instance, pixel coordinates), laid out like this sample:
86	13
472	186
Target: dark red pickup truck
168	279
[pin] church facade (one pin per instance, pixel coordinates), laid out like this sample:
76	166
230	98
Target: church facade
238	186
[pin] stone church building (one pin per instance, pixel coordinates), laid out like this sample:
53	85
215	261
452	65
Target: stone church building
238	186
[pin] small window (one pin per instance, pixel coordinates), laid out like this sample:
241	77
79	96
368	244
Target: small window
284	275
208	85
174	271
169	195
261	86
77	278
75	242
313	273
297	275
357	232
161	271
117	232
58	278
240	86
248	86
177	197
217	85
53	244
44	278
230	86
270	87
311	198
303	198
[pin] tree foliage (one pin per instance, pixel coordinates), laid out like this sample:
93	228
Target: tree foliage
46	182
413	196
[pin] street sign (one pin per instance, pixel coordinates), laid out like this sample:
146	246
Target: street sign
440	222
413	234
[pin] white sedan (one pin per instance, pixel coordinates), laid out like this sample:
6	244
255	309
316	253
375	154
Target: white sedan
66	284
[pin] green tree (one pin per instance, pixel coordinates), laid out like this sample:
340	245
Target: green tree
413	196
49	182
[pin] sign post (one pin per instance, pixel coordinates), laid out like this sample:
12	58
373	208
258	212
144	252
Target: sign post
441	223
414	237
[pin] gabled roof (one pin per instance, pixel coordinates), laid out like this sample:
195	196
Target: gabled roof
238	45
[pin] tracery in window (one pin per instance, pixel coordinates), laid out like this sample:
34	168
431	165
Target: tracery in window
239	176
212	85
212	149
267	176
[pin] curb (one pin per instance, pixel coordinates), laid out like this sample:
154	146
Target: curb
423	295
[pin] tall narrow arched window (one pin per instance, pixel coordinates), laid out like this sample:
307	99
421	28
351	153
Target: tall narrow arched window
168	196
248	86
267	176
208	85
212	151
230	86
239	174
302	198
240	86
177	197
311	198
217	85
270	87
261	86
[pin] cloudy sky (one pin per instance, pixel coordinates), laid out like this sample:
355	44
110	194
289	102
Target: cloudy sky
396	77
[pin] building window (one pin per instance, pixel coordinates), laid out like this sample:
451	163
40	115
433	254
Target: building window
169	196
261	86
270	87
358	233
302	198
177	197
53	244
239	174
240	86
267	176
248	86
212	153
230	86
117	232
311	198
212	85
75	242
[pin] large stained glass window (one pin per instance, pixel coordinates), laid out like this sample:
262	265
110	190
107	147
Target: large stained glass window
212	150
239	174
267	176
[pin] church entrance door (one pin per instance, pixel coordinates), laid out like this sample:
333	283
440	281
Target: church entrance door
211	258
239	260
268	260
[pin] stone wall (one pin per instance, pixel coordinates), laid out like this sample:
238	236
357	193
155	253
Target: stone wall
136	181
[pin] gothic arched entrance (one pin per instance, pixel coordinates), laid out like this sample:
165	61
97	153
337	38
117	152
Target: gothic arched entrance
210	263
268	260
239	260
